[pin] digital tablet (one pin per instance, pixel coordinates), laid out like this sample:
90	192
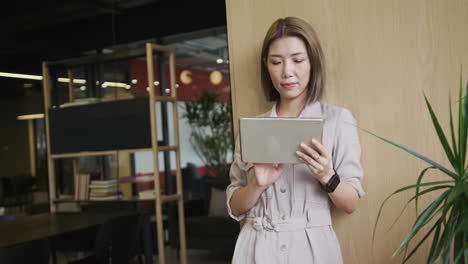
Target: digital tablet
275	140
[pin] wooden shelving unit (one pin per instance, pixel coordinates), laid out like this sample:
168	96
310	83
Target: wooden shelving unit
155	147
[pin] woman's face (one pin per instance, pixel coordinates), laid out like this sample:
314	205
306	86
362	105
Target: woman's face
289	68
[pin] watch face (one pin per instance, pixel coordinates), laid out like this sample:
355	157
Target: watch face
334	181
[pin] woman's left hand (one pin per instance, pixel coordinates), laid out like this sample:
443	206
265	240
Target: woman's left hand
317	159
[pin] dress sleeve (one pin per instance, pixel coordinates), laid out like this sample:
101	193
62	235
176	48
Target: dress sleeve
347	152
238	175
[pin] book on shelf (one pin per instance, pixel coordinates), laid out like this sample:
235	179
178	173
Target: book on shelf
147	194
81	186
103	192
104	189
104	183
105	198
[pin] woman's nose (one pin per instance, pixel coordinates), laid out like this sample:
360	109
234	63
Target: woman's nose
287	70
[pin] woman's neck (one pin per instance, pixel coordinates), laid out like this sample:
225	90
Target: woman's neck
290	108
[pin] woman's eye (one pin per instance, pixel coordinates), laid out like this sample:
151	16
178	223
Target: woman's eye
275	62
298	61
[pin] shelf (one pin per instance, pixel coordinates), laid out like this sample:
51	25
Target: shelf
109	152
107	128
168	148
164	198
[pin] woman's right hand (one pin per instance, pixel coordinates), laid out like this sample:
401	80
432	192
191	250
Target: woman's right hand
267	173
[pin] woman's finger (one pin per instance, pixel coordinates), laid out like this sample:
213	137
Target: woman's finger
312	153
309	161
319	148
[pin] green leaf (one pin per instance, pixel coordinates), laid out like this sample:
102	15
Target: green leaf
398	191
452	130
430	190
458	190
421	221
435	226
421	185
459	237
465	126
435	164
461	254
435	241
442	138
462	123
446	255
444	240
421	175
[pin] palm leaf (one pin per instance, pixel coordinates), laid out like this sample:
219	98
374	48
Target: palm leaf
421	175
435	241
442	138
462	124
452	130
444	241
461	253
459	235
421	221
430	190
433	163
398	191
435	226
458	190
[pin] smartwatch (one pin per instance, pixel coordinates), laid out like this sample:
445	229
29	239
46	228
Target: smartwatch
332	183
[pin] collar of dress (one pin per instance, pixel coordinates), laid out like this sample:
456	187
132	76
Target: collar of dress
310	110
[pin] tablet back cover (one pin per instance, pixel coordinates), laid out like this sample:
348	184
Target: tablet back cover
275	140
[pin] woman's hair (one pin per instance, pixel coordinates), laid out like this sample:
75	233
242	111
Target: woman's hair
295	27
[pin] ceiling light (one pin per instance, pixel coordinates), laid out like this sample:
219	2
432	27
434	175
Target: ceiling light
83	88
167	90
156	83
115	84
186	77
27	117
128	87
66	80
216	77
104	85
219	61
134	81
20	76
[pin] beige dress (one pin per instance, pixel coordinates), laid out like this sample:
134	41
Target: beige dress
291	222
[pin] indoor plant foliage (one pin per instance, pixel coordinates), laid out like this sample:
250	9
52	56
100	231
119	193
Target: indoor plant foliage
211	134
446	217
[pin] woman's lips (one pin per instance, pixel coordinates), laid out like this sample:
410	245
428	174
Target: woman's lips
288	86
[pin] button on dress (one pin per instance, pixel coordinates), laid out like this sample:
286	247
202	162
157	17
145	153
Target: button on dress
291	221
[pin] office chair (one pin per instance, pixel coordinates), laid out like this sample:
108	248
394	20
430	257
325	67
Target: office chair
117	241
36	251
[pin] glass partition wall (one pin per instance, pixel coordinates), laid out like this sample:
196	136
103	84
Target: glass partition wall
202	75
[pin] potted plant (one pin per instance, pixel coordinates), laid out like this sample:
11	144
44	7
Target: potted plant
447	215
211	134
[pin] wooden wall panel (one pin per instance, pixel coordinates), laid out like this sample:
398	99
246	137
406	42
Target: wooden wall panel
381	57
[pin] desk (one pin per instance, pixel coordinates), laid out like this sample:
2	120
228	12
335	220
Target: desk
28	228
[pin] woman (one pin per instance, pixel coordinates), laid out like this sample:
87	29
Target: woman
286	207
